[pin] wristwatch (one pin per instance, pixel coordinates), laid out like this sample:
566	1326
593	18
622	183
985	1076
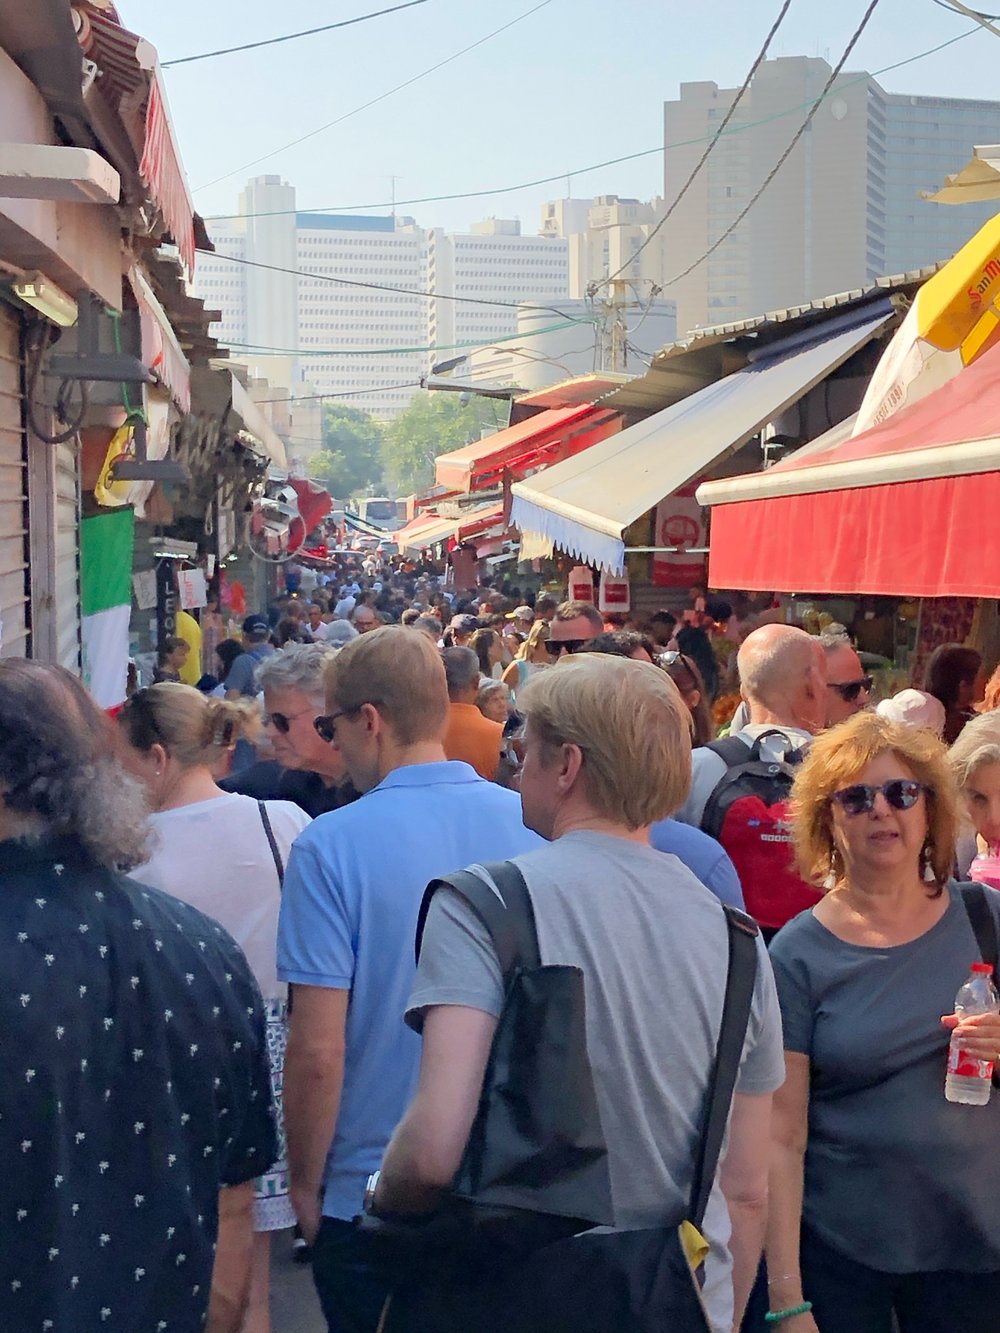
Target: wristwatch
368	1206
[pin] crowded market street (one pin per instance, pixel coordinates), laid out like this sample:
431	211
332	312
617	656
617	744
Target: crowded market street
499	729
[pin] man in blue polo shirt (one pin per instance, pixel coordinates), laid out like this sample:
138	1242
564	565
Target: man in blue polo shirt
353	888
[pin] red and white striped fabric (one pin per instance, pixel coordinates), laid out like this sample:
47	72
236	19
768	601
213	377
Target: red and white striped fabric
130	81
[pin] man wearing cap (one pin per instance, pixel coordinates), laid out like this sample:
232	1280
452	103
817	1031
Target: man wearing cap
462	629
521	620
241	683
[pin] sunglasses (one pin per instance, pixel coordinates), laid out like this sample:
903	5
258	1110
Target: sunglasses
326	725
282	722
850	689
556	646
900	794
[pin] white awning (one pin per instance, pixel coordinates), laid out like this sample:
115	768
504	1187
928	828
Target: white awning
257	425
584	504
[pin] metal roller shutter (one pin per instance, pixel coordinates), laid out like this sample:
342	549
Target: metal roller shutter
15	627
54	544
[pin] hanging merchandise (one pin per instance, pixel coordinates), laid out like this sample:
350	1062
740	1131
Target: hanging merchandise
107	542
613	594
581	584
114	494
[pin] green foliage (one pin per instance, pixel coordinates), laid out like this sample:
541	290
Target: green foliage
434	423
350	461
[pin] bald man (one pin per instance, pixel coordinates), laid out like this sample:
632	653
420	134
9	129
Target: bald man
783	680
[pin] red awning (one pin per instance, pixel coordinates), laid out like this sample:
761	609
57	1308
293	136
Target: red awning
908	508
314	502
130	81
546	438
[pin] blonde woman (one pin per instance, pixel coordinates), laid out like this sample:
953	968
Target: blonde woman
884	1197
529	658
225	854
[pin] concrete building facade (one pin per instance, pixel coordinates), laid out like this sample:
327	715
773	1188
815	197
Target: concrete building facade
321	303
845	208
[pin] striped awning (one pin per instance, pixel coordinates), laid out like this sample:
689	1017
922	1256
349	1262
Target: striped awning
131	83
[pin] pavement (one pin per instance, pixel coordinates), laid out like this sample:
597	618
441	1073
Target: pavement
294	1307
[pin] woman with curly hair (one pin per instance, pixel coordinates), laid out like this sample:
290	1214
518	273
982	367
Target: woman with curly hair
883	1195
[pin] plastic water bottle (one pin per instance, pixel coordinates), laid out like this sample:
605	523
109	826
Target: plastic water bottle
985	869
969	1080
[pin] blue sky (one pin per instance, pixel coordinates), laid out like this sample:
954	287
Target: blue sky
577	82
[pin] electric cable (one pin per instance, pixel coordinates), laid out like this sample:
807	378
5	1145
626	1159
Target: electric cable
730	112
261	350
870	10
381	97
964	12
353	393
39	340
431	295
290	36
581	171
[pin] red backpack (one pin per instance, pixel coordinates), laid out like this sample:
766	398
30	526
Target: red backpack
748	813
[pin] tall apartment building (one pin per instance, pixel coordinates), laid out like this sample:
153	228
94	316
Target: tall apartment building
845	208
320	307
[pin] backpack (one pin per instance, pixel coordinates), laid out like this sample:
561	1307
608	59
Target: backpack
748	813
513	1249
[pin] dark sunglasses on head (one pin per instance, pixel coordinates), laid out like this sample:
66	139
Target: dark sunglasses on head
555	646
850	689
326	725
900	794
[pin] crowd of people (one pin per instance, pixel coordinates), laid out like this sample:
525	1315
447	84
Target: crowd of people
215	1024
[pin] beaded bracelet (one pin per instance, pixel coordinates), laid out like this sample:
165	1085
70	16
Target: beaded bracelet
777	1316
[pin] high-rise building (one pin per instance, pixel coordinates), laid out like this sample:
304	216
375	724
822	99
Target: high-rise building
843	209
314	297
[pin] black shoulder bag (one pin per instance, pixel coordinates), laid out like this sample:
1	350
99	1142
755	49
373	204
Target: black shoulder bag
532	1194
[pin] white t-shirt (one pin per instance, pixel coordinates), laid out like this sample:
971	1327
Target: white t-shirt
215	855
344	608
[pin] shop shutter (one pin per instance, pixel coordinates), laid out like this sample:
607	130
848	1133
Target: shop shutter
15	636
66	541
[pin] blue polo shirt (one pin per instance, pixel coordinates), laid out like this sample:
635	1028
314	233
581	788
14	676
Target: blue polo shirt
353	888
703	856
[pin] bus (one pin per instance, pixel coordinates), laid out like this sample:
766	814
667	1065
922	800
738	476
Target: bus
381	511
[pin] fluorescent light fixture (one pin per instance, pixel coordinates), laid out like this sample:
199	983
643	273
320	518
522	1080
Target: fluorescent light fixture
36	290
172	548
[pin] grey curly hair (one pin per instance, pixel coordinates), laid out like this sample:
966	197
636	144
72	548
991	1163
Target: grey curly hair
299	666
59	773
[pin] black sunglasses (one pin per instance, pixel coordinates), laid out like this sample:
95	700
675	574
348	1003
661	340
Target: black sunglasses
282	722
850	689
326	725
555	646
900	794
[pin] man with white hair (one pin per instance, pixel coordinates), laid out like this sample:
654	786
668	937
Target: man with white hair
848	686
307	770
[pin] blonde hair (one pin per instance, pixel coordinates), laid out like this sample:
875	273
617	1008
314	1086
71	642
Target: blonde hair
538	633
193	728
402	673
838	757
978	743
630	722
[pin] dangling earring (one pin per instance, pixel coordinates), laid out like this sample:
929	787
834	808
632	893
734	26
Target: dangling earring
927	856
831	879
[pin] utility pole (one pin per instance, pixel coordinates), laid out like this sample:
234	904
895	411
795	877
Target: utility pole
612	323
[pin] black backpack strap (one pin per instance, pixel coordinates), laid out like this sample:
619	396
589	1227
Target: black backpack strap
265	819
511	922
740	981
982	921
730	749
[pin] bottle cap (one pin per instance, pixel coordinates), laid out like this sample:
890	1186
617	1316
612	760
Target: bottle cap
982	967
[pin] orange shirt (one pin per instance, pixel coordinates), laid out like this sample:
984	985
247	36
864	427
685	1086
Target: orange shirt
474	738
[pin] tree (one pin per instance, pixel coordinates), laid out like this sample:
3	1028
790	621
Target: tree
434	423
351	458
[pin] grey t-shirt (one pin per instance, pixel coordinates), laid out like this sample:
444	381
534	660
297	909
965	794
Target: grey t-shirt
652	943
895	1176
243	673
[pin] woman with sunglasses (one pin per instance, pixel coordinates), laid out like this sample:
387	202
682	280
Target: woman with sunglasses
884	1197
683	671
225	854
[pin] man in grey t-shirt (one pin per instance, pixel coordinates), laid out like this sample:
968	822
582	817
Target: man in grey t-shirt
605	757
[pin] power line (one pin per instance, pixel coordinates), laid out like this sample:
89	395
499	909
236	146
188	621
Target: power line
964	12
708	147
873	5
580	171
351	393
403	291
396	351
290	36
381	97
